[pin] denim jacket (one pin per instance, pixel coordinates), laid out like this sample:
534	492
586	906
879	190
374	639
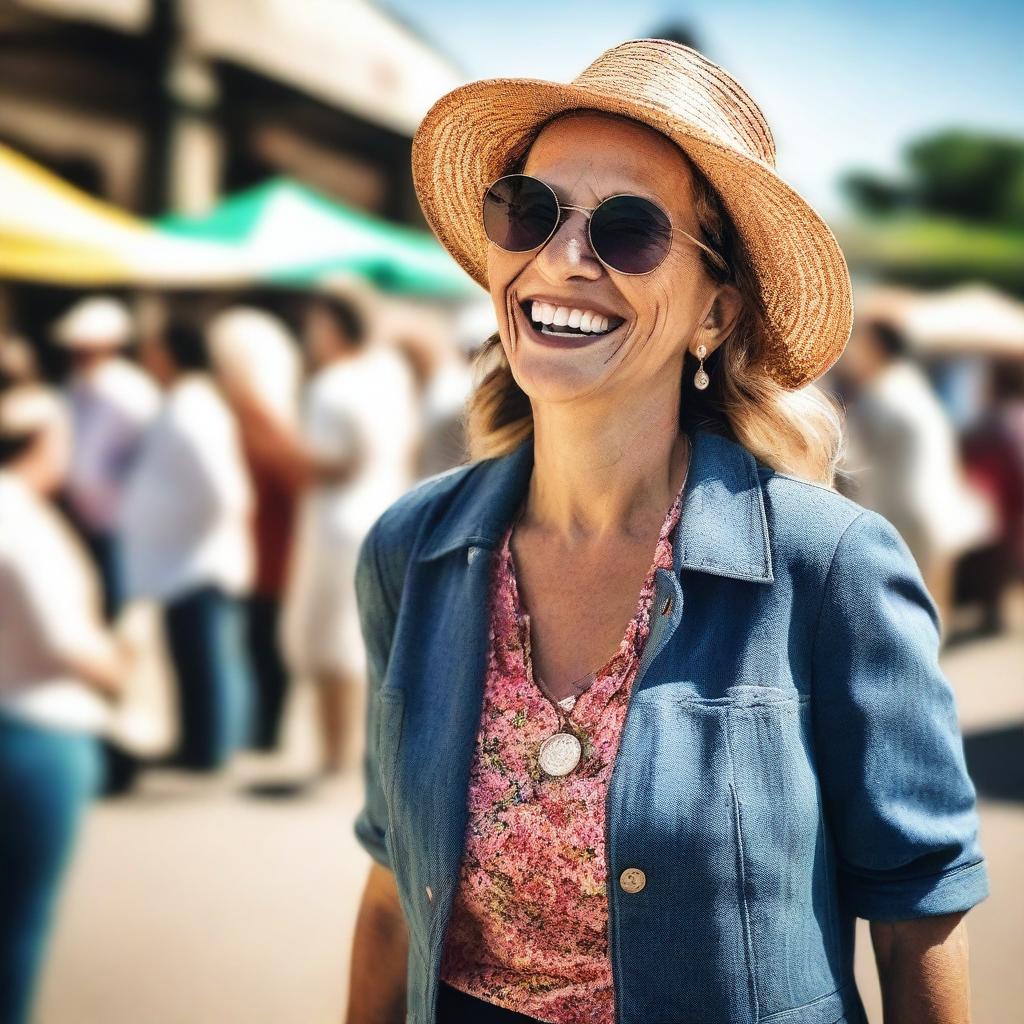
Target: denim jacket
790	759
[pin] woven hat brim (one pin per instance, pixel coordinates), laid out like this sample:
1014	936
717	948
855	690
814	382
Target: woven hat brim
468	136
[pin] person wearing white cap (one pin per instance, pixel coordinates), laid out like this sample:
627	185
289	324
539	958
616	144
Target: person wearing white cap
60	670
112	402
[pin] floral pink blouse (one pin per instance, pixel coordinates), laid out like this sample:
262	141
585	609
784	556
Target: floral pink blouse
529	925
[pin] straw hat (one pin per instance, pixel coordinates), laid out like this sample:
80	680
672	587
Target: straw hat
96	322
470	136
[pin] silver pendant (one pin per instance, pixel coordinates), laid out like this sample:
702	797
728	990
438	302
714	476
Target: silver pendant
560	753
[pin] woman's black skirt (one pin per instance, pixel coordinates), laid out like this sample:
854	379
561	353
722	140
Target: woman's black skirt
456	1007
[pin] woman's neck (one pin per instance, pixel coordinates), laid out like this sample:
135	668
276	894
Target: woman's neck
607	479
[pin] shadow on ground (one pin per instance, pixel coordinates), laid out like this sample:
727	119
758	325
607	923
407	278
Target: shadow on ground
995	760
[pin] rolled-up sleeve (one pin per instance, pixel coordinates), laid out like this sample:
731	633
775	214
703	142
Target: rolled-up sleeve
377	622
890	756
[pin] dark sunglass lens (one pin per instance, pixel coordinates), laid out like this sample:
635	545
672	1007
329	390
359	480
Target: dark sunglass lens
630	234
519	212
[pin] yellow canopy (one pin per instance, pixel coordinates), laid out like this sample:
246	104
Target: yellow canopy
53	232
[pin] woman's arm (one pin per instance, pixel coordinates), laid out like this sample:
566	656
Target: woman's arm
59	627
923	969
282	450
377	978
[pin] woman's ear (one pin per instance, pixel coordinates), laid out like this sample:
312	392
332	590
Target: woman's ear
729	304
721	317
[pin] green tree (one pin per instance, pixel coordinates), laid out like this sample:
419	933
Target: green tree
966	175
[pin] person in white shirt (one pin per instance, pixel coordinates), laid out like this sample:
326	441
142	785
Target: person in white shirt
258	365
60	672
444	380
112	401
361	404
187	537
906	460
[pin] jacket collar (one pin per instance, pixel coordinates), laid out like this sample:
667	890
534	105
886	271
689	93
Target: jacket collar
722	530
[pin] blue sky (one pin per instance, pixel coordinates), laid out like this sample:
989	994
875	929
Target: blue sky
842	84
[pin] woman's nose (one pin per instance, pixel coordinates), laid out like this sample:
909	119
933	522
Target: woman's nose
567	253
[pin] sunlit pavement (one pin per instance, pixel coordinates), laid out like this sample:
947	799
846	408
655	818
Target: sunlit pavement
191	902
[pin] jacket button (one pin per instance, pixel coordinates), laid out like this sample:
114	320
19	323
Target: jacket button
430	894
471	554
632	879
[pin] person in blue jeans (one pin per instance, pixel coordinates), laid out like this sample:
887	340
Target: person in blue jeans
48	778
60	669
186	521
205	631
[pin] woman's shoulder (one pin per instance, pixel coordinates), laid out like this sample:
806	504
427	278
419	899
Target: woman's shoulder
397	531
809	520
423	500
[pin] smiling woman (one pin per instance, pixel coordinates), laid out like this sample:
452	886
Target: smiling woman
796	430
687	695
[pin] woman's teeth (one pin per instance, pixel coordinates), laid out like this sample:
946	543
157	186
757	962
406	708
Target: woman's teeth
578	321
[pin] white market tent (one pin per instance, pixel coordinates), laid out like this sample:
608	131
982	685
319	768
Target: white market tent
969	319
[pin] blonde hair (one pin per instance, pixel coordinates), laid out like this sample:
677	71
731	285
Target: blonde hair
799	433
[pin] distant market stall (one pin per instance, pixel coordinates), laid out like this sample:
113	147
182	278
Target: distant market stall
278	233
53	233
292	235
972	319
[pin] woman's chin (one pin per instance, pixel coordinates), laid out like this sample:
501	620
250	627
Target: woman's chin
557	380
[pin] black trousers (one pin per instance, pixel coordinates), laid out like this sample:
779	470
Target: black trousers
455	1007
270	674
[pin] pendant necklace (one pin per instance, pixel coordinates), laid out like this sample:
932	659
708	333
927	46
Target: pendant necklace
561	752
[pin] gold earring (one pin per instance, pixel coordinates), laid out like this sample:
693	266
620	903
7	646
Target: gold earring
700	379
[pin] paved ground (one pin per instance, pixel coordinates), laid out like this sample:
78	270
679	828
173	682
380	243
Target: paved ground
193	903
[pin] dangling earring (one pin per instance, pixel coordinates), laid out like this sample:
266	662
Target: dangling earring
700	379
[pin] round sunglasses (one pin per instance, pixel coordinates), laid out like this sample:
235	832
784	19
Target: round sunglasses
628	234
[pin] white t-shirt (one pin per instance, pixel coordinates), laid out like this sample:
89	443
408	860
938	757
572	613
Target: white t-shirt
368	400
49	613
187	507
110	410
906	444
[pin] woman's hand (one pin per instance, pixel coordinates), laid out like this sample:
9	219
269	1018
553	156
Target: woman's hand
923	969
380	949
96	656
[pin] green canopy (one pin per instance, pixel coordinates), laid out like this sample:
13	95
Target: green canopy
290	234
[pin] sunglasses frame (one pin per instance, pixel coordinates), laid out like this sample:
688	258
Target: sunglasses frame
591	210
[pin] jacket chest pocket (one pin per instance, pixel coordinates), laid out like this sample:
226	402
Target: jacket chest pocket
788	890
717	800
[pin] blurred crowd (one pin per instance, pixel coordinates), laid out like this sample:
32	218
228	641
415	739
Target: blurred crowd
223	470
937	447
